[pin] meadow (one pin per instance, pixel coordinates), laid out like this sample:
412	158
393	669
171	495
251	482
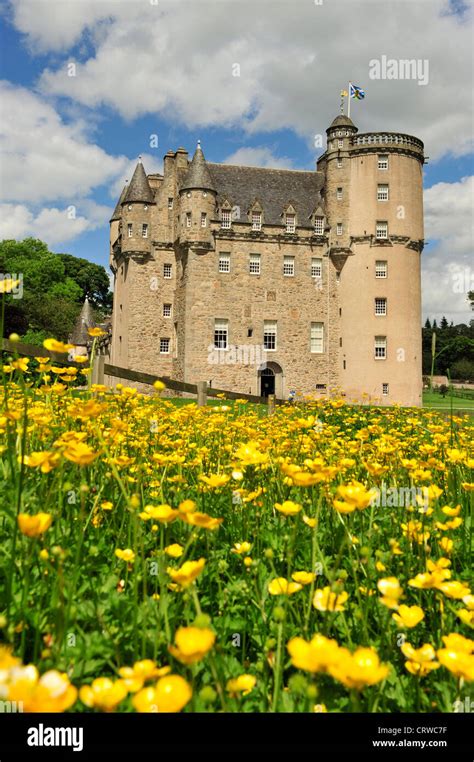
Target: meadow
160	558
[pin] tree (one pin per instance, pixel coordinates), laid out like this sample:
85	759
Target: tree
428	324
463	370
92	279
444	323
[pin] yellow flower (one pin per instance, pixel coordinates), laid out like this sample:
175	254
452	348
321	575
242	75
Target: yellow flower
80	453
391	591
453	524
451	511
303	577
96	332
288	508
21	363
188	572
466	616
454	589
52	692
125	555
34	526
159	386
326	600
174	551
7	285
57	346
281	586
187	506
313	656
360	669
171	694
446	544
408	616
198	519
457	656
242	684
214	481
104	694
241	547
249	454
45	461
163	513
135	677
106	505
309	521
420	661
248	561
354	496
192	644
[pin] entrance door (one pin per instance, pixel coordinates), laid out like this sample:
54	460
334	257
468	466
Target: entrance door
267	382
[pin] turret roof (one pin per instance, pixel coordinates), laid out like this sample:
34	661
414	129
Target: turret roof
118	209
198	175
79	336
139	188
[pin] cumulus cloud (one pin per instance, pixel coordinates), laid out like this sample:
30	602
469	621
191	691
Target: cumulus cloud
447	262
259	156
51	224
261	66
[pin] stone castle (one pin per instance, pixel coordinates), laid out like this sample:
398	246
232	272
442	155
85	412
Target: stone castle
272	280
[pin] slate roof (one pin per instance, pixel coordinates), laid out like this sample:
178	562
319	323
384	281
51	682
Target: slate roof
79	336
118	209
342	121
139	188
273	188
198	175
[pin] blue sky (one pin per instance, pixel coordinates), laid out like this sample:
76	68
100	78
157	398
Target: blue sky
168	68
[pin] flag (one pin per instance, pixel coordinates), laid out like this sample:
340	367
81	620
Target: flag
357	92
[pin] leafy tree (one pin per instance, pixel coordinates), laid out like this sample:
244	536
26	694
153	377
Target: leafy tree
444	323
463	370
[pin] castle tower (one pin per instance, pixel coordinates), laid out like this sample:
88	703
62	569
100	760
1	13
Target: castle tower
380	284
197	201
80	336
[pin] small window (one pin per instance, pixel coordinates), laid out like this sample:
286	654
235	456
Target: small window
338	277
129	230
380	305
383	161
380	348
339	228
221	333
288	265
224	263
385	390
249	333
381	268
316	267
381	230
339	163
170	203
320	387
340	143
167	270
226	218
188	219
270	335
290	223
167	310
203	219
256	220
317	338
144	230
254	264
339	194
164	346
382	192
319	225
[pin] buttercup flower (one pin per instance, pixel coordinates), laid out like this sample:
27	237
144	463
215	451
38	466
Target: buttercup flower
242	684
34	525
326	600
281	586
288	508
104	694
192	644
171	694
188	572
408	616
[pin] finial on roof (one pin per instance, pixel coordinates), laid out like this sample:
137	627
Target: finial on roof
140	158
199	144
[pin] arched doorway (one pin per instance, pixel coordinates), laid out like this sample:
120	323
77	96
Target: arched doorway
270	379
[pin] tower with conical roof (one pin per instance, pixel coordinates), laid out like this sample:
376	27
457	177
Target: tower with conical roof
80	336
197	197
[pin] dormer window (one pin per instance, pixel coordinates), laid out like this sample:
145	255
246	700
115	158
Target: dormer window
290	223
226	219
319	225
256	220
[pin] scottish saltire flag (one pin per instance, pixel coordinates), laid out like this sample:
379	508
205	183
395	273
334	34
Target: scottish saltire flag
357	92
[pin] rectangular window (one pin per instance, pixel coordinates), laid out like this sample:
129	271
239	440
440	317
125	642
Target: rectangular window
383	161
226	218
188	219
319	225
164	346
203	219
224	263
381	268
339	194
340	143
270	335
317	338
129	230
339	228
170	203
254	264
144	230
167	310
256	220
167	270
380	305
221	333
385	390
339	163
288	265
290	223
382	192
316	267
381	230
380	348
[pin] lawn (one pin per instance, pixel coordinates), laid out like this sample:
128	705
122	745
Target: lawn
435	400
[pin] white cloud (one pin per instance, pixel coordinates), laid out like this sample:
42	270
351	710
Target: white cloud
447	264
259	156
151	165
178	59
50	224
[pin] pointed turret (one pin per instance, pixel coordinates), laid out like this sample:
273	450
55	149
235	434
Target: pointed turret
118	209
198	175
79	336
139	189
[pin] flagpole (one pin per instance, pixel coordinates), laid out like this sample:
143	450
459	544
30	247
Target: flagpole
349	101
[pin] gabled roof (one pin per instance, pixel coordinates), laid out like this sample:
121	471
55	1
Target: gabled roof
79	336
198	175
118	209
275	189
139	188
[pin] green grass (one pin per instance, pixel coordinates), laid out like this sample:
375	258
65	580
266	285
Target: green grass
435	400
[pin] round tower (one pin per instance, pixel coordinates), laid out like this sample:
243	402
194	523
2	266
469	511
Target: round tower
197	201
136	216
